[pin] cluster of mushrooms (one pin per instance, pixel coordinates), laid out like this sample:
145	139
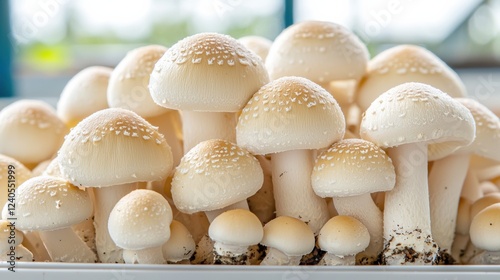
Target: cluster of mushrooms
225	151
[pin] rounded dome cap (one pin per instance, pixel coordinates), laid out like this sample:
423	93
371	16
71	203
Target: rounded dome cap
207	72
343	236
289	113
213	175
180	245
485	228
238	227
114	146
291	236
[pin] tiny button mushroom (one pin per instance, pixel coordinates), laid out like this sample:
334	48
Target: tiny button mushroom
233	232
140	224
180	246
84	94
11	239
24	121
287	240
342	237
51	206
485	234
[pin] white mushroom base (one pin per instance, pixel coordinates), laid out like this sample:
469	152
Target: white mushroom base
333	260
410	248
145	256
230	254
276	257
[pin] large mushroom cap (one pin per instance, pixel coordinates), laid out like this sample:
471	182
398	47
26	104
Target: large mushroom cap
114	146
50	203
317	50
213	175
403	64
290	113
140	220
291	236
415	112
238	227
129	81
352	167
207	72
84	94
30	131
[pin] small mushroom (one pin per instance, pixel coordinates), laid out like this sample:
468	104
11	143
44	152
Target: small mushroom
287	240
180	246
11	247
485	235
409	120
342	237
233	232
140	224
51	206
83	95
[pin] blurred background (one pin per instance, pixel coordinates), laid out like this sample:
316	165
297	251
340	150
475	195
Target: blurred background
43	43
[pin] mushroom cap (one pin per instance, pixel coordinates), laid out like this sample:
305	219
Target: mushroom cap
21	175
463	216
318	50
141	219
129	81
215	174
30	131
291	236
290	113
84	94
486	143
415	112
352	167
50	203
238	227
403	64
343	236
5	233
485	228
207	72
485	201
180	245
257	44
114	146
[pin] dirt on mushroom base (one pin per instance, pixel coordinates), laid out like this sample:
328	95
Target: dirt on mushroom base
410	255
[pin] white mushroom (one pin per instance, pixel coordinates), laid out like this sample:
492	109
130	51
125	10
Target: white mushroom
180	246
112	150
288	118
208	77
140	224
409	119
11	247
287	240
233	232
342	237
349	171
51	206
485	234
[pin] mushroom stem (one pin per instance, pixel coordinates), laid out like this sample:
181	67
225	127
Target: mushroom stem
64	245
105	200
166	126
333	260
276	257
152	255
21	254
459	245
230	254
407	223
242	204
293	193
34	244
366	211
200	126
445	183
470	189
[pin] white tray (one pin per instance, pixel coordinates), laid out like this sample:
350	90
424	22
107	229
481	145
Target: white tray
65	271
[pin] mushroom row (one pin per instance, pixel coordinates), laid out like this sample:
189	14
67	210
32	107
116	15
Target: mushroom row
225	151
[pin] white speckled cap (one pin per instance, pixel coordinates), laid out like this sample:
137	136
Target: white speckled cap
415	112
318	50
257	44
21	174
403	64
485	228
5	233
487	141
114	146
30	131
343	236
291	236
238	227
50	203
352	167
213	175
180	245
290	113
84	94
129	82
207	72
140	220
